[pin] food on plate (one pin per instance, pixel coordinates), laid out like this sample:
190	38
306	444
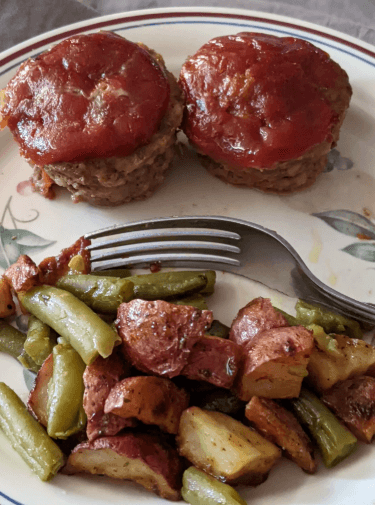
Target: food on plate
7	305
199	488
274	363
353	402
151	400
99	378
27	436
95	114
225	448
280	427
142	393
140	457
352	357
334	440
258	315
157	335
263	111
88	334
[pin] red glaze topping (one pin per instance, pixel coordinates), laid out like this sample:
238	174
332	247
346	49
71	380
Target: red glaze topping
256	99
90	96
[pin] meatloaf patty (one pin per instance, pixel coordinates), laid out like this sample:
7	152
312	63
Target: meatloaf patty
264	111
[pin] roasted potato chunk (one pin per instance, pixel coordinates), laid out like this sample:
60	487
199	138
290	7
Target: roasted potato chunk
274	363
353	357
7	305
152	400
258	315
279	426
353	401
213	359
140	457
38	397
157	336
99	378
23	275
225	448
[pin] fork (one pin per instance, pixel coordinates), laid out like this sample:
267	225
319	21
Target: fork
221	243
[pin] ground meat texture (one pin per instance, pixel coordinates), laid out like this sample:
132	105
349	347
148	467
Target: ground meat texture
97	114
264	111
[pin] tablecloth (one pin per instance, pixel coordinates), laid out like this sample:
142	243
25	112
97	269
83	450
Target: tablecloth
23	19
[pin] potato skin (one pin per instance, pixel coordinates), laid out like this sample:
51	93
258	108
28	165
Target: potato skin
258	315
151	400
280	426
274	363
140	457
353	401
99	378
23	275
214	360
157	335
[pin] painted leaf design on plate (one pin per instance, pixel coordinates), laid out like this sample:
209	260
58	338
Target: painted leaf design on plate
362	250
349	223
15	242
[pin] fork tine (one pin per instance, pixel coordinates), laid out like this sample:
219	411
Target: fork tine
120	252
123	238
191	260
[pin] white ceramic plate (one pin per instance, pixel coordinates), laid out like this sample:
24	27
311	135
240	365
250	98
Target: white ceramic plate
331	225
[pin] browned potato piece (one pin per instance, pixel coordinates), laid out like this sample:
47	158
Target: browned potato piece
54	267
38	397
354	357
23	274
140	457
353	401
7	305
225	448
157	335
275	363
258	315
279	426
214	360
99	378
152	400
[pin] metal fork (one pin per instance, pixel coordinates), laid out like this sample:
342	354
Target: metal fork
221	243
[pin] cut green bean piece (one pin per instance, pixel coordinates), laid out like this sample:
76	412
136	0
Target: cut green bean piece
102	294
168	285
27	362
113	272
65	393
325	342
334	440
211	280
332	323
39	342
198	488
11	339
27	436
218	329
197	301
87	333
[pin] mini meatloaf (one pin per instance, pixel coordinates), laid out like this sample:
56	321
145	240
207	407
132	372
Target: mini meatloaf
96	114
264	111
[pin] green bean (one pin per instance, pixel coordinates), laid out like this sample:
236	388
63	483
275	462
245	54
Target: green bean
334	440
332	323
27	362
87	333
113	272
168	285
39	342
198	488
211	280
197	301
102	294
27	436
65	393
218	329
325	342
11	339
